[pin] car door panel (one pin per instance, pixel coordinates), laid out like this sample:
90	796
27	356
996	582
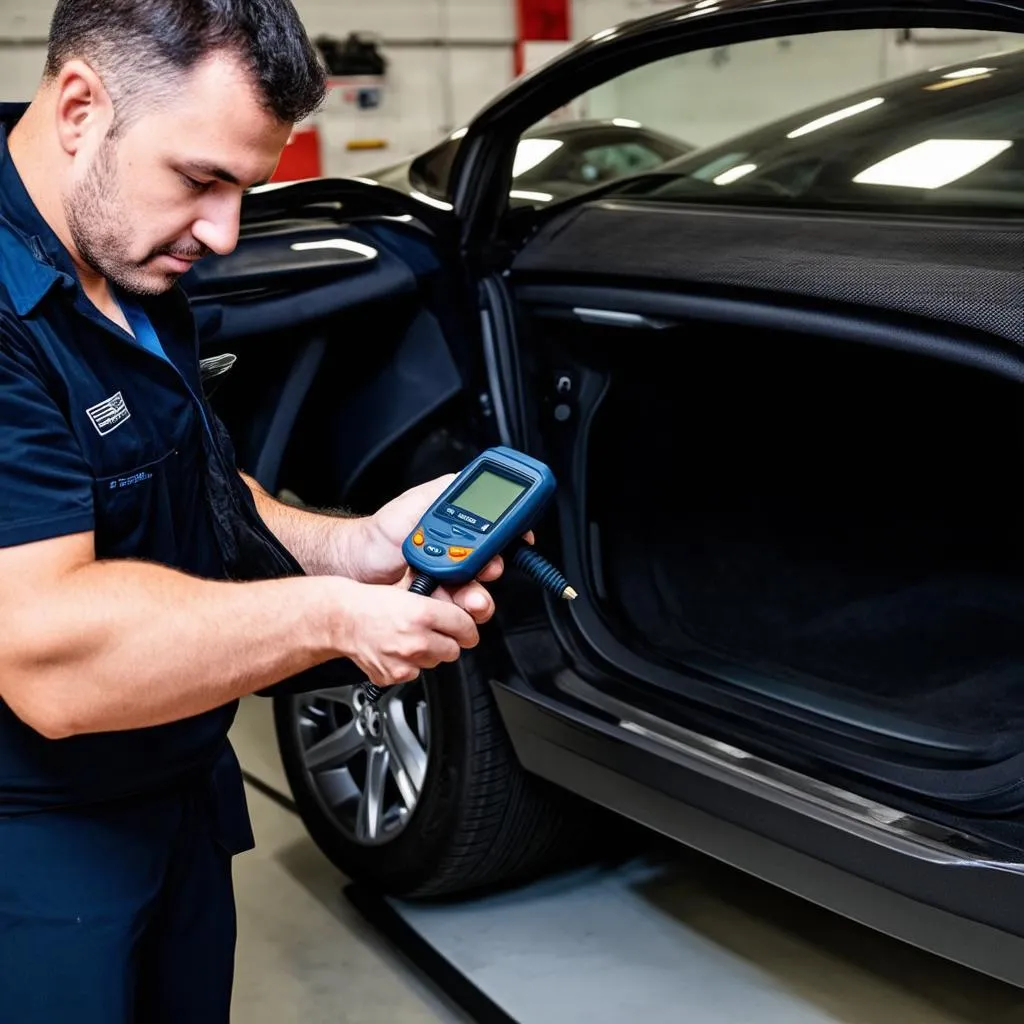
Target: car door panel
953	273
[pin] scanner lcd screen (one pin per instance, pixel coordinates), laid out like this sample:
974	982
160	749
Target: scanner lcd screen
489	496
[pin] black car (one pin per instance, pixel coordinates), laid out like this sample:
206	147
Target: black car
553	161
780	383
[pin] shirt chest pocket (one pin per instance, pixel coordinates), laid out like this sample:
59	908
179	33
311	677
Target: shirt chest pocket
134	510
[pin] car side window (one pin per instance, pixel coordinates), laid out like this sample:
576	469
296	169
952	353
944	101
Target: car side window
607	163
908	119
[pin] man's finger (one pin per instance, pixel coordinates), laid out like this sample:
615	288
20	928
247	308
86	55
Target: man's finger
474	599
492	570
454	619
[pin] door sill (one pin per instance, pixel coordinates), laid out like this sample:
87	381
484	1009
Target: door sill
899	830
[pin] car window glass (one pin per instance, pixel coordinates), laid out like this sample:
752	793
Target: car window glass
599	164
431	171
908	118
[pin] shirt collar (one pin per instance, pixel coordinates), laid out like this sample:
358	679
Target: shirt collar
32	257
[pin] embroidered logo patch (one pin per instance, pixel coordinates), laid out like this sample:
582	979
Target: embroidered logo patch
109	414
130	481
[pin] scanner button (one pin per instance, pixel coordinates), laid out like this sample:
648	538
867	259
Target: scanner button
458	554
434	550
461	532
439	534
418	538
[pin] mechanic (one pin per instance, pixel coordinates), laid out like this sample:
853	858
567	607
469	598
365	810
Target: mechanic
145	585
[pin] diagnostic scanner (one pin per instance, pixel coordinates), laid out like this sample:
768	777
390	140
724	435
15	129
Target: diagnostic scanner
494	501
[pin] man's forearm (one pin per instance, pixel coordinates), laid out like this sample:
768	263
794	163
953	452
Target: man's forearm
125	645
321	542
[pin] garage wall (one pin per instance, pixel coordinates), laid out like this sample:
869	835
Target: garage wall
445	58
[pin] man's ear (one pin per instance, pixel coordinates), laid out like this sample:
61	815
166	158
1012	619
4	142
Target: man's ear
84	109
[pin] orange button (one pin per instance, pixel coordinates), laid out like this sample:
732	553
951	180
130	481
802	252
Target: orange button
458	554
417	538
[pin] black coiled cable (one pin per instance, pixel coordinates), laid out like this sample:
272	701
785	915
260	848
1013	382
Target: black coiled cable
541	571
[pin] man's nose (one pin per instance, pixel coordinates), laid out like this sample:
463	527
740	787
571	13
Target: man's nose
218	230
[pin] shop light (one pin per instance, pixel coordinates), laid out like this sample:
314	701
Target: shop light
734	174
439	204
838	115
933	163
969	73
532	152
344	244
530	197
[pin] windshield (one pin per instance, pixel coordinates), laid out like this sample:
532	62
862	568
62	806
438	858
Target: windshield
949	138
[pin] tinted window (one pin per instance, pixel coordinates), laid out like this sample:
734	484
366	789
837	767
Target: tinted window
431	171
606	163
585	156
913	119
951	139
593	157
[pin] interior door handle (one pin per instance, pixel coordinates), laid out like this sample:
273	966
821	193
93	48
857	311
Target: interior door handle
618	318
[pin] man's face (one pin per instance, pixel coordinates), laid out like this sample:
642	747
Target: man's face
145	204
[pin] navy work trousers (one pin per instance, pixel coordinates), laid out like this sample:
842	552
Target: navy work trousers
116	914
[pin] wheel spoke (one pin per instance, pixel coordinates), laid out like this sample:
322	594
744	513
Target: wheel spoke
371	803
422	722
408	758
334	750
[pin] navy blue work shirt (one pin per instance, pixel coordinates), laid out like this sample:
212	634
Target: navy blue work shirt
98	433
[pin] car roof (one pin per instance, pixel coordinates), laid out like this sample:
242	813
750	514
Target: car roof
901	101
556	129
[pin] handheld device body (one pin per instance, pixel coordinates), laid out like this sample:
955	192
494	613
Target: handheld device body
492	503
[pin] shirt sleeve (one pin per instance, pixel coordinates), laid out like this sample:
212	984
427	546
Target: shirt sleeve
45	481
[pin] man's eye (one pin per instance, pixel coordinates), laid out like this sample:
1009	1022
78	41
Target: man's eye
191	183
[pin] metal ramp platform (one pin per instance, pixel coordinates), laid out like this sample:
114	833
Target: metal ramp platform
673	938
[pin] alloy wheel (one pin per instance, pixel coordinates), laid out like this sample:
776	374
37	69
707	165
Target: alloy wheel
366	763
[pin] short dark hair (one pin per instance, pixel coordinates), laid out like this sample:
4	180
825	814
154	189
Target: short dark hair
137	45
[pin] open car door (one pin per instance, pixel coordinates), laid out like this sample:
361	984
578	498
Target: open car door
325	337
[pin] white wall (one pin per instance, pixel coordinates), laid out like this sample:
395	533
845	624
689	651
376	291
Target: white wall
430	89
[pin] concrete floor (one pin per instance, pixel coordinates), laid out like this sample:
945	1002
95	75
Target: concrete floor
305	955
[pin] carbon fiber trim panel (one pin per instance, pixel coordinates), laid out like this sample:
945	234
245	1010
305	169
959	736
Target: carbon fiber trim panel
959	273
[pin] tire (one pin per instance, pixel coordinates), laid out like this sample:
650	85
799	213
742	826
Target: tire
480	821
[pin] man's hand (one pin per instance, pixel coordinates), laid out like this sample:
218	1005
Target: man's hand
392	636
377	558
369	550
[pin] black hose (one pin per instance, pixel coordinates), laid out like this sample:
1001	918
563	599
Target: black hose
540	570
